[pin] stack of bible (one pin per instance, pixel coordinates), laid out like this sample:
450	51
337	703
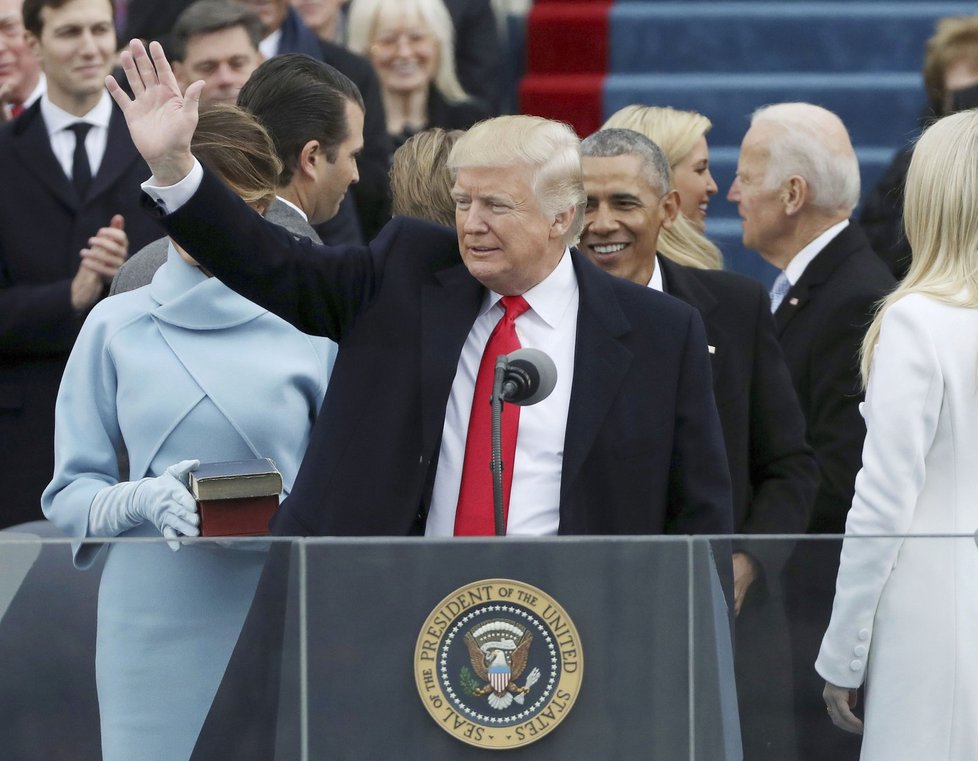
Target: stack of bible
236	498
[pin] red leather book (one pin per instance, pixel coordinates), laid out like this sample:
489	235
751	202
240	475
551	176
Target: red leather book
236	498
244	516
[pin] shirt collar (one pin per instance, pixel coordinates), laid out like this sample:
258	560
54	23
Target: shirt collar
269	45
655	282
57	119
39	89
796	267
549	298
292	206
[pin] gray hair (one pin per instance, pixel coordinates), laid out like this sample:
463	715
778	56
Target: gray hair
611	142
813	143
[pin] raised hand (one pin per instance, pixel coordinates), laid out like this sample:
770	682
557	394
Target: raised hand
161	119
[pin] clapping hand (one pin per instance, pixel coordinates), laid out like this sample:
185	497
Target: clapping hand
161	119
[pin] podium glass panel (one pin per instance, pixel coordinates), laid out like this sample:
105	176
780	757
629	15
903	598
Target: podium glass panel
332	656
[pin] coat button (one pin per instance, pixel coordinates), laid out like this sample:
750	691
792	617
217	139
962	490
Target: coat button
859	650
864	634
855	665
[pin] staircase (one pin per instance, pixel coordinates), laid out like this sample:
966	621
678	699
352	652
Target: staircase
586	59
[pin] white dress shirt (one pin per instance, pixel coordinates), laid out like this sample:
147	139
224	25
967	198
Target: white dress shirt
62	139
796	267
550	325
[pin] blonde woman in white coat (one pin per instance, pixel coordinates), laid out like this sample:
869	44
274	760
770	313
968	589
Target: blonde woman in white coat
905	617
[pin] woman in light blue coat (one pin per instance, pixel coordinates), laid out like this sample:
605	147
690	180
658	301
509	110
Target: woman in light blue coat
180	371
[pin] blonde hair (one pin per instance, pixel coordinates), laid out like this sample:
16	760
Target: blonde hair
235	146
362	23
676	133
940	199
421	184
551	149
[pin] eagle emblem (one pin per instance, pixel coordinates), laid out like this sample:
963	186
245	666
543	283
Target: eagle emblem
498	651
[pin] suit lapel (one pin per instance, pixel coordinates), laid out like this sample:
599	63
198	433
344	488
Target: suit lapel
450	303
119	155
685	287
34	152
817	272
601	361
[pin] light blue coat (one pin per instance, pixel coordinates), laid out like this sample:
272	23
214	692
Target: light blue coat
181	369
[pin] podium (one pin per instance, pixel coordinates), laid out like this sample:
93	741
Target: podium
332	639
657	675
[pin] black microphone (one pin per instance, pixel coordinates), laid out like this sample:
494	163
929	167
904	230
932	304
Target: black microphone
529	378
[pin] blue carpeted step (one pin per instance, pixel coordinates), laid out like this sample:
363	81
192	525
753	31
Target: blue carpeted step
764	37
878	109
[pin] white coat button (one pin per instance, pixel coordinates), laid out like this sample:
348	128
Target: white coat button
855	664
859	650
864	634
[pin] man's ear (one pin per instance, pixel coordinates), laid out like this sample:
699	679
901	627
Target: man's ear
309	158
562	222
794	194
34	44
669	206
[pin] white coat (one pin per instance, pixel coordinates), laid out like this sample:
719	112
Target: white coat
905	616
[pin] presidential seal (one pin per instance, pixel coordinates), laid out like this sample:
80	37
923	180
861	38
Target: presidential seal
498	664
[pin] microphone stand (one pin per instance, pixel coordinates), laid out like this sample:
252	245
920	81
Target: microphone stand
496	463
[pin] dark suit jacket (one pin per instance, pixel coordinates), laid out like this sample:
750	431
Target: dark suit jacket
774	478
479	52
43	226
821	324
772	469
643	449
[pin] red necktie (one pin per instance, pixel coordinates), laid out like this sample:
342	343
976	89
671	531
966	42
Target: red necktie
16	110
474	513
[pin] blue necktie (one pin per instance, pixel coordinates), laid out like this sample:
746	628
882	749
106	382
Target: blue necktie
778	290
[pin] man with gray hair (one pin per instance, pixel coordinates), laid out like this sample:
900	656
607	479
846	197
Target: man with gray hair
773	472
796	186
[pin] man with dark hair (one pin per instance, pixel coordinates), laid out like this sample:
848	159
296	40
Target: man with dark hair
70	184
773	471
314	115
285	33
216	41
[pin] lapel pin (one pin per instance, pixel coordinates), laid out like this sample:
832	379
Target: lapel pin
712	349
793	301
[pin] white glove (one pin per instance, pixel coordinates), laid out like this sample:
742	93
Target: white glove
164	501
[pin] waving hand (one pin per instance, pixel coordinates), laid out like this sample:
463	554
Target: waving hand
161	119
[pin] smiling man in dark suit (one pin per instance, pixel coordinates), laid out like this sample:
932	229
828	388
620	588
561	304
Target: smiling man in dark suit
628	443
626	179
796	186
69	209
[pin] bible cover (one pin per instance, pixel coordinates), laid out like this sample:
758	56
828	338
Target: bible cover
236	498
244	516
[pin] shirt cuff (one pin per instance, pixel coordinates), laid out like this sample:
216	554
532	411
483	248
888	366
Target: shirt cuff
172	197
